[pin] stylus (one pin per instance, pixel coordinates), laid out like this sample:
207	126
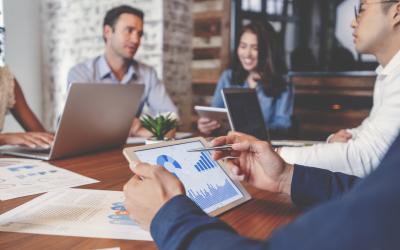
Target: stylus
221	148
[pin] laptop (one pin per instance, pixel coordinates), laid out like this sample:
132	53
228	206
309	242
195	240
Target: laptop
244	112
96	116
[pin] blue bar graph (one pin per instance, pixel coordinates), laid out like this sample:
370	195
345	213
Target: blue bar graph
212	195
203	165
205	162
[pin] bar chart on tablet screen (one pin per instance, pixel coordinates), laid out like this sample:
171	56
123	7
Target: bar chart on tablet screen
204	180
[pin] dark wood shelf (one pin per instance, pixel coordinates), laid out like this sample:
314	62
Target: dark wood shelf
205	82
327	101
212	15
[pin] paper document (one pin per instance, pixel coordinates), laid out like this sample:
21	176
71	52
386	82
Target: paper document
75	212
22	177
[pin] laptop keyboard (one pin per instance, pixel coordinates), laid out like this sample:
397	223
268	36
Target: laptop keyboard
28	150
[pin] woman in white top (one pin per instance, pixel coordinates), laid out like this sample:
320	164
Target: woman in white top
13	100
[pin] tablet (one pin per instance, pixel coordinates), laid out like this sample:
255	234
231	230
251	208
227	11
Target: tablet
206	181
244	112
218	114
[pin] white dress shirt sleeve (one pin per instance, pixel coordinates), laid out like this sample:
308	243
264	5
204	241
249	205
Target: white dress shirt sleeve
363	153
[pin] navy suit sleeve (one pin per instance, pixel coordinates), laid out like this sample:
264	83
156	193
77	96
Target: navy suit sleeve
366	217
311	186
181	224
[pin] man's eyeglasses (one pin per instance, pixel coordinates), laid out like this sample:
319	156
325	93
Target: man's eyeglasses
357	8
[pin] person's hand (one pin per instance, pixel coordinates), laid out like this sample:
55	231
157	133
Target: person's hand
255	162
138	130
148	190
340	136
171	134
29	139
207	125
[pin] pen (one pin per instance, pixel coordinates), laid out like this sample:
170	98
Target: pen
221	148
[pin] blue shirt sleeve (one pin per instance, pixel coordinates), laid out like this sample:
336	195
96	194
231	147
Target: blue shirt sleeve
79	73
282	118
224	82
157	98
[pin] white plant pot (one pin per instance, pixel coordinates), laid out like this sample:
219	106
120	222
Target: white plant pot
152	140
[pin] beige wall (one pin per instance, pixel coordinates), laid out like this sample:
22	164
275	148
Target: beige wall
23	52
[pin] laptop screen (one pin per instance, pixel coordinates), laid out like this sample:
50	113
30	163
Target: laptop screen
244	112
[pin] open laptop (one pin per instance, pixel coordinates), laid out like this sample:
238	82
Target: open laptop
244	112
96	116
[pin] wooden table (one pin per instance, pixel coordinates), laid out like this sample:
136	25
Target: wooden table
256	218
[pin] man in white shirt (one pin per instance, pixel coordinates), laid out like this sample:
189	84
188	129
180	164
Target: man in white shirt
359	150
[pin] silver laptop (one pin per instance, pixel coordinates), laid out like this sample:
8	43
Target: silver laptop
96	116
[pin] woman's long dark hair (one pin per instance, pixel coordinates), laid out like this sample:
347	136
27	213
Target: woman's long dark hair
271	64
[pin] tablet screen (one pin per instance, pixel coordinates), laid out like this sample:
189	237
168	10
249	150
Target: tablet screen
205	181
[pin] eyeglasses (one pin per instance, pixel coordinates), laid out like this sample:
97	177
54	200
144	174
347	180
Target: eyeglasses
357	8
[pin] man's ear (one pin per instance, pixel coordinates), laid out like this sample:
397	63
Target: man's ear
396	14
107	31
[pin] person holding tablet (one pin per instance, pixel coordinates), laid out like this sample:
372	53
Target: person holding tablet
257	64
348	212
12	99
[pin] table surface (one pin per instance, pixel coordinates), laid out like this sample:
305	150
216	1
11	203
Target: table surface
256	218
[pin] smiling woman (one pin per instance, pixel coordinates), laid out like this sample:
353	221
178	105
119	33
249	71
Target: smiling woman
258	64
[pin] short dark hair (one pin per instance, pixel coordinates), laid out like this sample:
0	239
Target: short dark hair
113	14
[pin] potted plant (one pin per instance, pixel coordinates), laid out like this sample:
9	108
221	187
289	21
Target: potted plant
159	126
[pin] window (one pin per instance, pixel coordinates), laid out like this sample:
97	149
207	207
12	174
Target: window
273	8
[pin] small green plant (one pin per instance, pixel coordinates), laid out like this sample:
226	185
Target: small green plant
160	125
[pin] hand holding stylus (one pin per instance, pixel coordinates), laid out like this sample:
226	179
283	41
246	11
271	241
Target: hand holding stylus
256	162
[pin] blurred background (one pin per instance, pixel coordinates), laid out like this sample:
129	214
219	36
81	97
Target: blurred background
190	43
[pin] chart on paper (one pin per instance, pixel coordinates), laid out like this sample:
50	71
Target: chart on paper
20	177
204	180
75	212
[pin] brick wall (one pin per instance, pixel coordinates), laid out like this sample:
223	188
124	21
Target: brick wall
178	55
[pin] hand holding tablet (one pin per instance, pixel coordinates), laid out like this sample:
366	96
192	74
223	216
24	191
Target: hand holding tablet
211	118
143	198
206	181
